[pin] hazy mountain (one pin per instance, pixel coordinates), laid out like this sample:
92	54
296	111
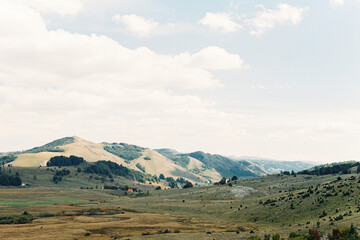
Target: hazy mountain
270	166
167	151
225	166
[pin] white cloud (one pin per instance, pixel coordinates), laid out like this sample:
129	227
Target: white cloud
62	7
213	58
220	22
137	25
337	2
142	27
56	83
268	19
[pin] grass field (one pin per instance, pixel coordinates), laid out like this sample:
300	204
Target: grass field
269	204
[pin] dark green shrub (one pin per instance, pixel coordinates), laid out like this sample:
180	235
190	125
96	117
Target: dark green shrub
188	185
125	151
65	161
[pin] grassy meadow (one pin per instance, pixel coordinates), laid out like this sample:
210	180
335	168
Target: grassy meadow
78	208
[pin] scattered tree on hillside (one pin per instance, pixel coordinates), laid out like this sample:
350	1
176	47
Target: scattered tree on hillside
286	173
9	180
347	233
60	174
170	179
234	178
108	168
7	159
188	184
267	237
276	237
140	167
222	181
312	235
65	161
125	151
254	238
334	168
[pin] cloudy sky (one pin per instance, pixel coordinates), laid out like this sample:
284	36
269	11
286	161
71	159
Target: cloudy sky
268	78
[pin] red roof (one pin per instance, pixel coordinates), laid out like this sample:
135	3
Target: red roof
130	190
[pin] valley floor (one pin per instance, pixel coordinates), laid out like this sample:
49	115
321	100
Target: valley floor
269	204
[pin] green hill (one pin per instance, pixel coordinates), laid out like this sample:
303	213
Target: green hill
199	167
225	166
334	168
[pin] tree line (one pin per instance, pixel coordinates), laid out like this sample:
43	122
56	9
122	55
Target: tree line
61	161
336	168
7	179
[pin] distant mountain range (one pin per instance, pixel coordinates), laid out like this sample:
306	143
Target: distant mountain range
271	166
198	166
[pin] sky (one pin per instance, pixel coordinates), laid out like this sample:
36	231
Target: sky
275	79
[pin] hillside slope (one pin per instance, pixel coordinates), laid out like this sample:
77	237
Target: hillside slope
90	151
198	167
151	161
225	166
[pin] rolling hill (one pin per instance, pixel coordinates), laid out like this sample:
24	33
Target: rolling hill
198	167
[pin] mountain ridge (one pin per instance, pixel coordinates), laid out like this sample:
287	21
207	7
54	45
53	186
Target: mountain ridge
197	166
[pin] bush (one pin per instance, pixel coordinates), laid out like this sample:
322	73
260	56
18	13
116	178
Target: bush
65	161
346	233
222	181
9	180
254	238
312	235
125	151
181	180
16	219
323	214
170	179
107	168
180	160
59	175
7	159
340	217
140	167
110	187
276	237
188	185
